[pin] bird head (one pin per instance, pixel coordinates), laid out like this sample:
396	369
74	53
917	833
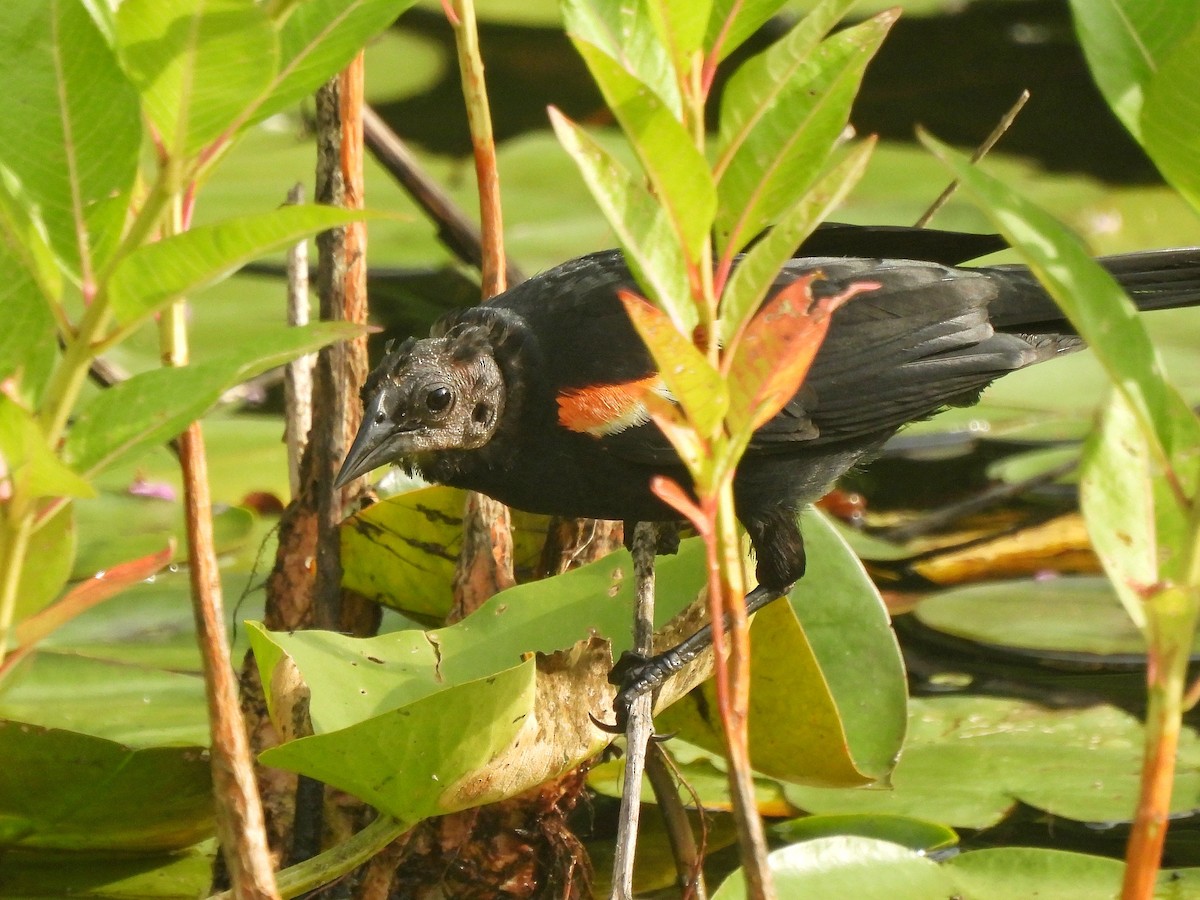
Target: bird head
445	392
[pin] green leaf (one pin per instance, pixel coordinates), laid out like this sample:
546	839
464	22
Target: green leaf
317	40
104	875
759	267
152	523
24	238
850	631
1125	42
693	382
1088	627
625	33
34	470
808	749
780	116
113	698
28	346
157	274
916	834
678	173
733	21
705	772
681	25
48	563
179	53
72	136
1098	309
639	221
72	791
402	551
409	763
538	617
1017	873
848	866
968	761
1170	119
374	700
156	405
834	655
1138	527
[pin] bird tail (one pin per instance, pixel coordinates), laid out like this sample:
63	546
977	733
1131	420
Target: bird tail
1153	279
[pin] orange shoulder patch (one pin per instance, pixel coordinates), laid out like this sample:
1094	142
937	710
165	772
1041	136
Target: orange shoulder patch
606	408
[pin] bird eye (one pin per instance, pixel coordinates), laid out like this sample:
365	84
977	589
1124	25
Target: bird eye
438	399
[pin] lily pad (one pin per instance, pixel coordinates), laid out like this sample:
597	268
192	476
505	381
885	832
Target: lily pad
402	552
71	791
969	761
1072	621
867	868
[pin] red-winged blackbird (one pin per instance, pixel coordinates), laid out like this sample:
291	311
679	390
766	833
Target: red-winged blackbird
535	397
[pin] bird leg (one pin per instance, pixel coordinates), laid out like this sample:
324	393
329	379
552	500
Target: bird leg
635	674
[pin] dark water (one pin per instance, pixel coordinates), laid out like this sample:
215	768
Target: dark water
954	74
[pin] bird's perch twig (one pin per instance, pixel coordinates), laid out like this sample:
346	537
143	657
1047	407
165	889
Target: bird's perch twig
640	728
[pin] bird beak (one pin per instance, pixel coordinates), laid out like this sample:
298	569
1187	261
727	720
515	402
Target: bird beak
371	448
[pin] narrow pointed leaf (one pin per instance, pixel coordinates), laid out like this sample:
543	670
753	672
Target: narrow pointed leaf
1138	530
780	116
180	55
691	379
732	21
1171	117
157	405
317	40
1125	42
758	268
639	222
157	274
681	25
54	546
28	347
33	469
776	350
677	171
1097	307
63	98
625	33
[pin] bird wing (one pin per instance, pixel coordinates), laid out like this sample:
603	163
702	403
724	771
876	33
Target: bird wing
918	343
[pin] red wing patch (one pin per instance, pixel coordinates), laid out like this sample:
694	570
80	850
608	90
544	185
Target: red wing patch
607	408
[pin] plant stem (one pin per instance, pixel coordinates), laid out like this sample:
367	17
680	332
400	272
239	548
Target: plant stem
14	545
240	822
327	867
1172	626
734	707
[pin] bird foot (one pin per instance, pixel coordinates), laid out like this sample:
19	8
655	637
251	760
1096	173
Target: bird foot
636	675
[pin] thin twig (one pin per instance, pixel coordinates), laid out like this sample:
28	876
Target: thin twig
689	858
976	503
297	382
454	228
640	728
240	822
340	860
492	560
980	152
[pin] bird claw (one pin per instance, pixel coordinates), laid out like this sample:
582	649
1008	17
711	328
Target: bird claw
634	675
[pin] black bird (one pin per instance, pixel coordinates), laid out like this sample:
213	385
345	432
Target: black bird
535	397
